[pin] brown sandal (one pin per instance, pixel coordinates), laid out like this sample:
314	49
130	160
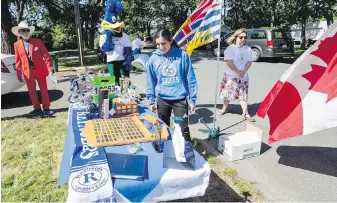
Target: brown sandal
222	112
248	118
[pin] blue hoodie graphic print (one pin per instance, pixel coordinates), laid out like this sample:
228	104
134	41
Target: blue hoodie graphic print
171	76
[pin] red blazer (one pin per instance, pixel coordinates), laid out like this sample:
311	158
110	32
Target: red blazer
40	57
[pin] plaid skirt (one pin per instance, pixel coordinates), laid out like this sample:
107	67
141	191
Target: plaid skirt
234	88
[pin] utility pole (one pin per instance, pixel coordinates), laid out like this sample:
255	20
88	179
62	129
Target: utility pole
79	31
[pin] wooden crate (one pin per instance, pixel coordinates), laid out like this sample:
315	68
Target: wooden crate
124	108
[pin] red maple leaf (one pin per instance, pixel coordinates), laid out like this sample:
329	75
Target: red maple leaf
324	79
327	49
314	75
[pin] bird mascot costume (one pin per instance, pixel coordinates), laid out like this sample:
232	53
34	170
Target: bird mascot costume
114	42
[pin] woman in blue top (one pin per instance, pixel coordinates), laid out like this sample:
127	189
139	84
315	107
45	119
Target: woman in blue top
171	81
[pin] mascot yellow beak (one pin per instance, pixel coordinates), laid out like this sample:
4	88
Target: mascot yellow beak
108	26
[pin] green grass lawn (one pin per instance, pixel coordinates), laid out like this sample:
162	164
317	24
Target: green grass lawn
65	63
68	59
72	52
30	159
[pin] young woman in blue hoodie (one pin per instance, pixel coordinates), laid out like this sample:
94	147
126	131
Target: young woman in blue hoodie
171	81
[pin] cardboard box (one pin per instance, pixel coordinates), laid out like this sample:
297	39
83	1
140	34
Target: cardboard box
241	145
101	82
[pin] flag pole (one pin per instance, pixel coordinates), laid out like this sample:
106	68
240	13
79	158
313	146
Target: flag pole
215	131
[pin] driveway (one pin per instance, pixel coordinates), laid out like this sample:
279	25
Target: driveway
299	169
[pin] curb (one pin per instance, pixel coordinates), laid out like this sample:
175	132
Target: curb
86	68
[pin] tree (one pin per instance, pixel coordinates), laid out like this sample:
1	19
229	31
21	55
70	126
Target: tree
144	15
284	14
273	4
7	38
62	12
62	22
35	13
326	9
177	11
20	5
91	11
141	15
302	11
240	15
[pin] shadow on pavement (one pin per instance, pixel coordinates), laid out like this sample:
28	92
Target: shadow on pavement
287	60
21	99
204	111
36	116
264	148
200	55
321	160
236	108
67	78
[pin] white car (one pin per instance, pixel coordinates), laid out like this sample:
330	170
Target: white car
9	81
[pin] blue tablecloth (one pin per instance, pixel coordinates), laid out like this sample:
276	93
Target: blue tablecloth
86	169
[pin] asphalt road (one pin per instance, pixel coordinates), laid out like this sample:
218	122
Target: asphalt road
299	169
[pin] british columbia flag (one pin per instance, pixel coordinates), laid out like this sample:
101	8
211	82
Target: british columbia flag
202	27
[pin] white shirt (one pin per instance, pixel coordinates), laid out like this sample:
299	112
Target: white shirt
240	57
137	44
117	53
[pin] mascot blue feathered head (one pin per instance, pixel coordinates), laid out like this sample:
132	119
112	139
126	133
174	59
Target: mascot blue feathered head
112	17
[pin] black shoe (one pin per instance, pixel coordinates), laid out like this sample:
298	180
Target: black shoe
36	112
48	112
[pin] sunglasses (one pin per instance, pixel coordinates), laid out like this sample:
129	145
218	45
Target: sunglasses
24	30
240	37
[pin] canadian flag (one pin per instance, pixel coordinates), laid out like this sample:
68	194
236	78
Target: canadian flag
304	100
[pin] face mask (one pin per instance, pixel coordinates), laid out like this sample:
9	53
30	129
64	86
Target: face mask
26	35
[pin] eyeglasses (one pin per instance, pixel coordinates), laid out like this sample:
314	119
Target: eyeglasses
24	30
240	37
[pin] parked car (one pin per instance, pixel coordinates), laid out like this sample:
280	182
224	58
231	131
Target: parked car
9	80
207	46
149	42
211	44
265	43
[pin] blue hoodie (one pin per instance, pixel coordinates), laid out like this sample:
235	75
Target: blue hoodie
171	76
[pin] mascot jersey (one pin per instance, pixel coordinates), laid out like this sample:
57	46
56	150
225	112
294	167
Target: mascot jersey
117	54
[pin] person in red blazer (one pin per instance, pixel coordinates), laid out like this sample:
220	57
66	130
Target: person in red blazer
33	63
